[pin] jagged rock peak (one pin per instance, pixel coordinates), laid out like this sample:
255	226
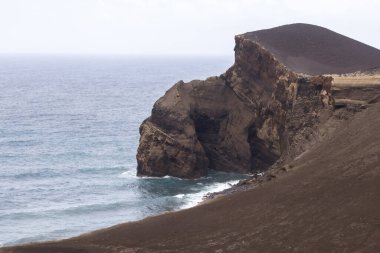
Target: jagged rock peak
315	50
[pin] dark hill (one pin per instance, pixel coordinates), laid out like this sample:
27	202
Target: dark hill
314	50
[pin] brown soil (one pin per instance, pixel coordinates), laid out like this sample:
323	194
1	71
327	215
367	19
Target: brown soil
327	201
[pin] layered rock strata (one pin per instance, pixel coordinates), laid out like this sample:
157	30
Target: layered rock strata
242	121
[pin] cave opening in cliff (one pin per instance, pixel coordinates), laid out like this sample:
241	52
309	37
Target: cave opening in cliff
262	153
207	129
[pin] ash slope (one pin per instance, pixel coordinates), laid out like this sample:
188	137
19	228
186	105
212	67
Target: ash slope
330	202
315	50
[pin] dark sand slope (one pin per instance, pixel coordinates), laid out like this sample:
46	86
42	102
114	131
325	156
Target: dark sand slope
330	202
316	50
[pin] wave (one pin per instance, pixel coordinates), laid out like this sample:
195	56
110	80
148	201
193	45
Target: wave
102	170
61	212
188	192
128	174
21	143
193	199
42	173
101	207
132	174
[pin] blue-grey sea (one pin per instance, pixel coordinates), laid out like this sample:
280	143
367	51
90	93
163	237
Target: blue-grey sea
68	140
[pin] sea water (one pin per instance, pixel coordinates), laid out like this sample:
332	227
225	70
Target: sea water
68	140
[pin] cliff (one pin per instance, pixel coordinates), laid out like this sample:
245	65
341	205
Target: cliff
245	120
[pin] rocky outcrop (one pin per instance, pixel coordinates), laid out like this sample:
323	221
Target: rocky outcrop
242	121
265	109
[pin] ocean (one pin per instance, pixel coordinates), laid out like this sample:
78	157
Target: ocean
69	131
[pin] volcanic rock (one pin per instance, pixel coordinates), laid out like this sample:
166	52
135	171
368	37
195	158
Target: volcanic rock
263	110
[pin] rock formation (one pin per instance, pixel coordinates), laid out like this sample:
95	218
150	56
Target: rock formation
261	111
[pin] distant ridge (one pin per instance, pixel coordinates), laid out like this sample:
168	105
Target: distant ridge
314	50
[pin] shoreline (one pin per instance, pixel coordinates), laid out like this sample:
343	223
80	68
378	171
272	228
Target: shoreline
242	185
205	198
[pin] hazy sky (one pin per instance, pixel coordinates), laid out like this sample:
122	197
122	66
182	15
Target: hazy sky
168	26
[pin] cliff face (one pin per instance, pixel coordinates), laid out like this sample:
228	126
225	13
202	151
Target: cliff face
242	121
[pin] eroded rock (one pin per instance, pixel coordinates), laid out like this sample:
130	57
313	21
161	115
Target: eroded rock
241	121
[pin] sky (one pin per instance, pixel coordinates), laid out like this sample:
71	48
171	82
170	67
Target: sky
168	27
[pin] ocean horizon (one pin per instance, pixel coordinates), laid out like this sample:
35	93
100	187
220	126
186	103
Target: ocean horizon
69	131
